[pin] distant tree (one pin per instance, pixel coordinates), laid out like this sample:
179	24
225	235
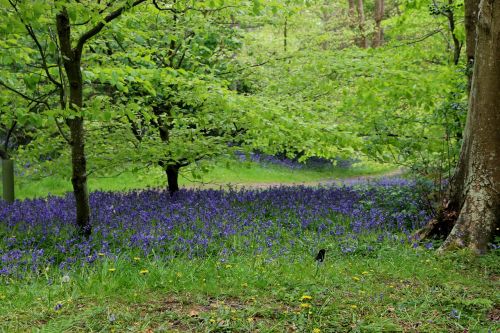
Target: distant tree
378	15
362	40
187	113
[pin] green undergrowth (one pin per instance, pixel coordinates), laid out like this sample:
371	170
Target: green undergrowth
393	289
223	173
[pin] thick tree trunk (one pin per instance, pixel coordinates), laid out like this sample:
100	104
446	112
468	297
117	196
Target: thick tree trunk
475	193
172	172
362	40
479	217
72	67
378	36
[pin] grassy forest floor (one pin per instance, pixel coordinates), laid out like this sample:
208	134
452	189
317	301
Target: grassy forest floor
240	261
395	289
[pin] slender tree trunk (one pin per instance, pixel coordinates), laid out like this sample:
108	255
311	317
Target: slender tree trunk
378	37
172	172
473	211
72	67
362	41
352	8
285	35
171	168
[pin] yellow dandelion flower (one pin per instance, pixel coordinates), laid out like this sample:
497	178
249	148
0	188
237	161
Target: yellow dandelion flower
137	259
316	330
250	319
354	306
364	273
306	298
355	278
143	271
111	269
212	320
305	305
100	254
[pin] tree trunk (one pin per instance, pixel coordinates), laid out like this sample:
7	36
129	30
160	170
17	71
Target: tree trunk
352	8
285	34
479	217
362	41
378	36
8	179
475	194
172	172
72	67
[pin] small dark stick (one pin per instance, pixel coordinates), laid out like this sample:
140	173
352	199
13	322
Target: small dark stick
320	257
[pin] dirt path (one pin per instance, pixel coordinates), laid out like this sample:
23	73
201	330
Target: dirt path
324	182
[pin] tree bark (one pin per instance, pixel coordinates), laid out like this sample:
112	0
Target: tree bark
473	211
362	41
378	37
72	66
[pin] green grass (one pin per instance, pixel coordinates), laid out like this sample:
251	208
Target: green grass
396	289
224	173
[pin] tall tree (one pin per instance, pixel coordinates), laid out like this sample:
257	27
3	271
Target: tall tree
378	15
72	60
59	58
362	40
471	218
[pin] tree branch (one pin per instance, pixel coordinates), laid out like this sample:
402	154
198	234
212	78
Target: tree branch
31	99
7	138
32	34
97	28
253	66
